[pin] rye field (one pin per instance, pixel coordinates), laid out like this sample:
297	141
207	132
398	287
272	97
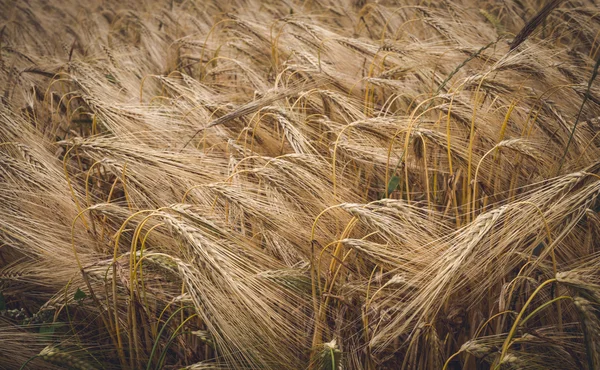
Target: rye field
299	184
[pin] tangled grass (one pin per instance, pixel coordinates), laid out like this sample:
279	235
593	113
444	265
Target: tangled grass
299	184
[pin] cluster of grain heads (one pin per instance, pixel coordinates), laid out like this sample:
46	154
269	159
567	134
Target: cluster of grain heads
303	184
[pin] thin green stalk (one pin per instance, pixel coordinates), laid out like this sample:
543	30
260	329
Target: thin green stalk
540	308
156	341
175	334
28	361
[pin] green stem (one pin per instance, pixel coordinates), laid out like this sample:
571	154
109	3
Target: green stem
28	361
332	358
157	340
544	306
161	359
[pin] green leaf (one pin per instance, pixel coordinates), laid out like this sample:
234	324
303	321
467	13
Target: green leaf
2	302
111	78
79	295
392	185
47	330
